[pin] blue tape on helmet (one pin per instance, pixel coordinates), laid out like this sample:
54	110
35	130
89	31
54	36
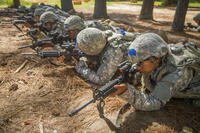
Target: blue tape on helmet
132	52
122	32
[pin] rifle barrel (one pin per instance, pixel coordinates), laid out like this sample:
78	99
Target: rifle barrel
25	46
103	92
75	111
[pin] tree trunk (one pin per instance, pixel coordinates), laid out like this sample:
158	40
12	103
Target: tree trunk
16	3
147	10
66	5
100	9
179	18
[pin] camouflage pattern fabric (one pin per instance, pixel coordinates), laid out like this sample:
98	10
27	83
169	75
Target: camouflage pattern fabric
171	79
39	11
74	22
22	9
62	13
91	41
195	29
59	12
99	25
110	57
48	17
50	9
57	28
148	45
198	28
57	25
196	18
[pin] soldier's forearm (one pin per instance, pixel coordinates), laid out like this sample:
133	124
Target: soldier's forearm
147	103
142	101
88	74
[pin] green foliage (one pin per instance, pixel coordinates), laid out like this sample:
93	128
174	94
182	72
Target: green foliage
6	3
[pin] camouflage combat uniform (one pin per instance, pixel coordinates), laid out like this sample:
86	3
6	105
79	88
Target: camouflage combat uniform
196	18
52	17
110	52
75	22
60	14
39	11
172	78
57	27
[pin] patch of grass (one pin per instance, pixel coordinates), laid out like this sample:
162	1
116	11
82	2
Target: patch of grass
6	3
194	4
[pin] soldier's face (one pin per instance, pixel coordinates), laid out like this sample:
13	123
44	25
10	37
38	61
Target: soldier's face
36	18
148	66
48	26
71	34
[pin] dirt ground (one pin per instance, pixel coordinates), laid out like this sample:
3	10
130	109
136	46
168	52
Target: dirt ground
40	95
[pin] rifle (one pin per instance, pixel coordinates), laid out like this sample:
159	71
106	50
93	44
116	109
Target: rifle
16	22
127	70
58	38
36	43
24	20
32	32
68	50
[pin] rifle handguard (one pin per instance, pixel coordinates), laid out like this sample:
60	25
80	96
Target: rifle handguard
45	54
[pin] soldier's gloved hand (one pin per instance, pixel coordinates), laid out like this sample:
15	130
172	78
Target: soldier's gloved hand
121	88
80	65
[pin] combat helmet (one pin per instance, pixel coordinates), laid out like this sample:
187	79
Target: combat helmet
50	9
147	45
91	41
39	11
21	9
48	17
74	23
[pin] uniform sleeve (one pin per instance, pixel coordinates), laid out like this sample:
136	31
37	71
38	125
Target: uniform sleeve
110	60
163	91
128	36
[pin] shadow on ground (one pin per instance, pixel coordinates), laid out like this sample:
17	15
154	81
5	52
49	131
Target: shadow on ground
176	116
